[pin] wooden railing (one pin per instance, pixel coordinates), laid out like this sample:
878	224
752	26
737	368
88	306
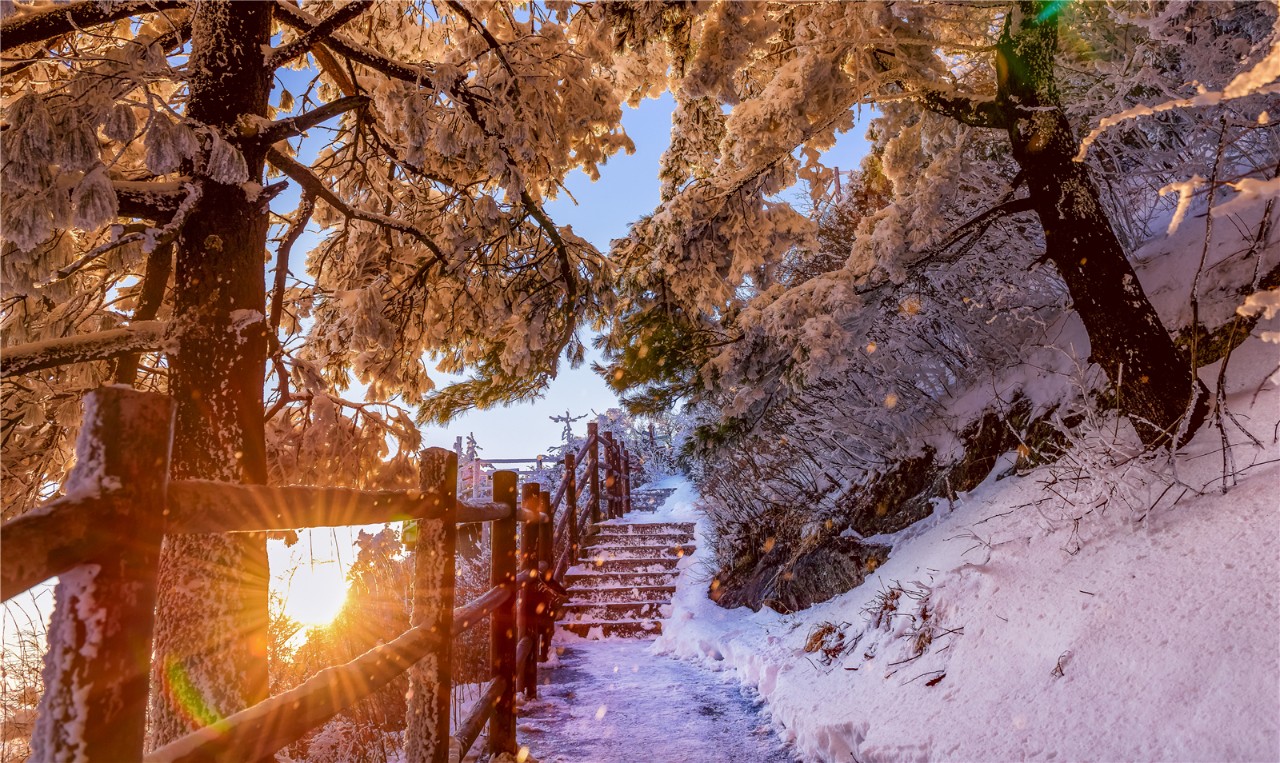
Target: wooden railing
103	540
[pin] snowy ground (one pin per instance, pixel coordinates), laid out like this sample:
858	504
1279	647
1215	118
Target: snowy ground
614	701
1004	629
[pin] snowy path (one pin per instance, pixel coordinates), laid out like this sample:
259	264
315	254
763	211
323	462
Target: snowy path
613	702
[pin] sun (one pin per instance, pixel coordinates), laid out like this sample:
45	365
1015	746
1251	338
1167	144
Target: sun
314	592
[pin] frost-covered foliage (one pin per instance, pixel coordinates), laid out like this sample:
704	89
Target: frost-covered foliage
423	137
815	373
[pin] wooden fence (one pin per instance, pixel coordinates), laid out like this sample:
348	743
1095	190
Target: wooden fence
103	540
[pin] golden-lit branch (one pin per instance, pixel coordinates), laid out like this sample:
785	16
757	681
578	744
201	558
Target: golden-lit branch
143	336
293	126
297	47
74	17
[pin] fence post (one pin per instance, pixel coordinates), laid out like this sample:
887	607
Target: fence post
617	478
610	476
502	623
626	480
97	668
571	504
528	615
431	679
546	570
593	469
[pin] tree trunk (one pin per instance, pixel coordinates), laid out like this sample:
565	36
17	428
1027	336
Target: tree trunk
1153	382
211	631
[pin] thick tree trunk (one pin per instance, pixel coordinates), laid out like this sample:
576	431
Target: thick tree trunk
211	635
1153	382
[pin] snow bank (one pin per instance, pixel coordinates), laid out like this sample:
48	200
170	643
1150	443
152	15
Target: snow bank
1016	626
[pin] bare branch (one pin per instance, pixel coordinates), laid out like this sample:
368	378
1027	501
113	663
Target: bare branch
315	186
562	251
293	126
303	216
292	50
154	281
983	220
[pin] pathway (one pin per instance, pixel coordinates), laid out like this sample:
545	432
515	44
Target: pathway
614	702
611	700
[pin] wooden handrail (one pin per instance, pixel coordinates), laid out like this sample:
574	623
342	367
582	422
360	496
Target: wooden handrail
204	506
331	690
481	711
53	538
261	730
488	511
479	608
119	532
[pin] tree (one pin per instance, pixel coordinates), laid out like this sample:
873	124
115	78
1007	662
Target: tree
137	147
784	79
1153	382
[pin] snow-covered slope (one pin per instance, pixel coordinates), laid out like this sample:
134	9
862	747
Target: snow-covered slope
1018	624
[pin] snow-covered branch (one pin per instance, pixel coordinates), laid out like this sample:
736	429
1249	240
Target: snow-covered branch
149	200
315	186
144	336
74	17
969	111
297	47
299	19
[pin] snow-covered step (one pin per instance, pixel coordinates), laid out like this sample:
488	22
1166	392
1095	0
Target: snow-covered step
613	611
605	593
648	500
592	553
596	580
624	581
616	629
642	539
632	564
606	530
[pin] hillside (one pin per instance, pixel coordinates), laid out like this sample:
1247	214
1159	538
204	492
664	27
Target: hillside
1004	628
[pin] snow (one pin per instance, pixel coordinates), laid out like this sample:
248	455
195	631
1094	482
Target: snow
614	700
1145	631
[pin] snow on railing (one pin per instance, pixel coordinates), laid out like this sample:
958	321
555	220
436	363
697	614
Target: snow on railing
103	543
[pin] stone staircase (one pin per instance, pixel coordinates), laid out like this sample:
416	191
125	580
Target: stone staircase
624	580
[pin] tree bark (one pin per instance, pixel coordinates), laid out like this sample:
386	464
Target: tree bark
1153	382
212	613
